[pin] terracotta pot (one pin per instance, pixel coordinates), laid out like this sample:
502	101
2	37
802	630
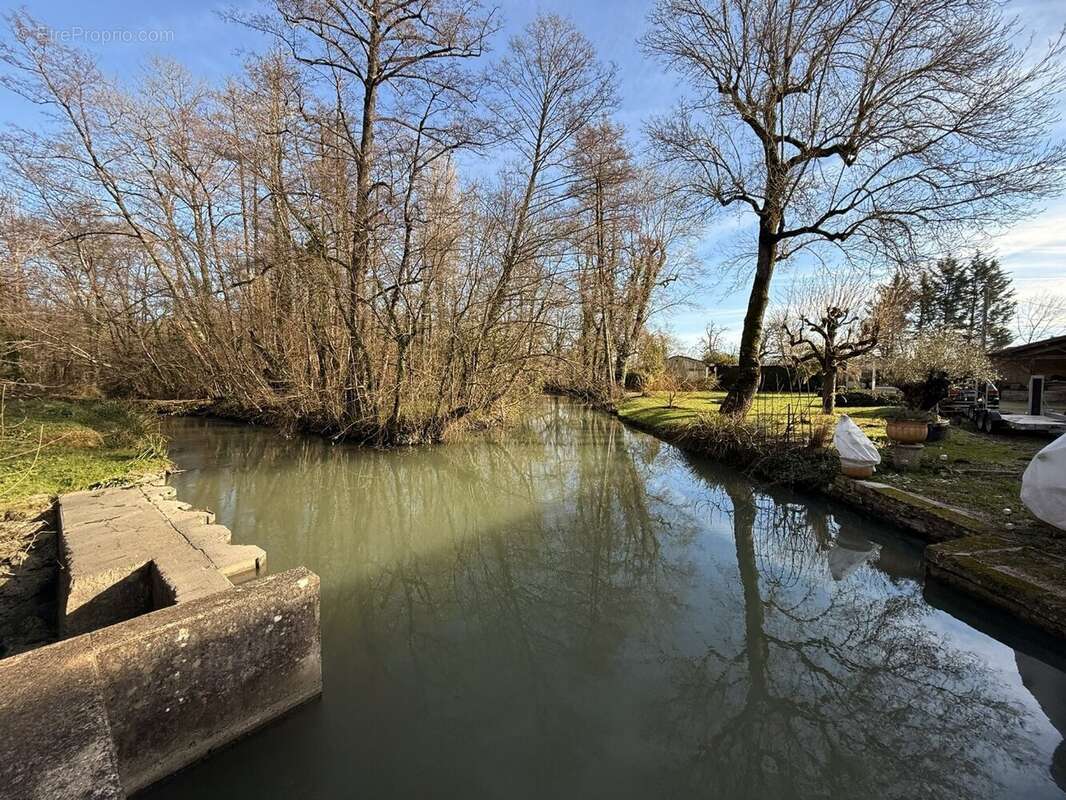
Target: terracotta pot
905	431
856	469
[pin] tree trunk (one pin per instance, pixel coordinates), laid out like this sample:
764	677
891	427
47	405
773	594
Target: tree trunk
829	390
740	397
358	363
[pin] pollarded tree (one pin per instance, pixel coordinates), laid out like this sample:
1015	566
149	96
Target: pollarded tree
829	330
855	122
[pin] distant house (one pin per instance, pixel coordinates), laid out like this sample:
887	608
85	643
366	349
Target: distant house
686	368
1038	369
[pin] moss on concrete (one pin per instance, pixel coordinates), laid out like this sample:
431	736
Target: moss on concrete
1024	576
952	515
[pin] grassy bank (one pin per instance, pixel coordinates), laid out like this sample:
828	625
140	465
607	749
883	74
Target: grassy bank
974	472
48	447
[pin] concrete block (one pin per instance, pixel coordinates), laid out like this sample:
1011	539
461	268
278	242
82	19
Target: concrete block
130	550
183	681
202	535
105	714
238	562
55	741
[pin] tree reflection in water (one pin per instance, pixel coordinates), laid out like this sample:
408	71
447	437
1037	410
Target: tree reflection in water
574	609
833	691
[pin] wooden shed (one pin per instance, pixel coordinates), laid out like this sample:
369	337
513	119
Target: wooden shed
1036	369
688	369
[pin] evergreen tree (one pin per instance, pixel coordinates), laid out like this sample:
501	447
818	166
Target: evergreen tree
949	281
939	296
975	299
989	303
925	303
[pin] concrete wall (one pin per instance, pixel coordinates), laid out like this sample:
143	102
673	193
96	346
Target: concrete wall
128	550
110	712
931	521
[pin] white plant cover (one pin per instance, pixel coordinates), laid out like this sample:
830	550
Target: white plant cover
1044	484
853	444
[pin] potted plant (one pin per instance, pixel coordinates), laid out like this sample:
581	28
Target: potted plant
907	425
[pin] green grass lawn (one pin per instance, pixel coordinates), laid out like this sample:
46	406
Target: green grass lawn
971	471
52	446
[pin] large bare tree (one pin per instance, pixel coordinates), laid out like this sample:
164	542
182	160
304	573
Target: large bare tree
872	125
363	49
629	244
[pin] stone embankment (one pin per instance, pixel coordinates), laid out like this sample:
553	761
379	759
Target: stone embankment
167	659
127	551
1017	573
1021	574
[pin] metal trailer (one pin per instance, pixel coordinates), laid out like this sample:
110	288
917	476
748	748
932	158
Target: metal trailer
990	420
983	409
964	398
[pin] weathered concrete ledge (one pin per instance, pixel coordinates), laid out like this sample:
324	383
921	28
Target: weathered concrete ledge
106	713
130	550
1025	578
927	519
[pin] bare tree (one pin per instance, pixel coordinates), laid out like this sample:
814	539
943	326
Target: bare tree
831	337
361	50
629	243
300	242
712	346
891	308
1040	318
859	123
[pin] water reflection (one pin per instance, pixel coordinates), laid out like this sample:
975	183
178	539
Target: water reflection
1048	686
834	690
573	609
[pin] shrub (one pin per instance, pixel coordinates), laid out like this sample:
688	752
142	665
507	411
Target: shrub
929	364
862	398
795	455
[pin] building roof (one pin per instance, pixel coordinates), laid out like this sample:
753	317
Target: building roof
1055	346
686	358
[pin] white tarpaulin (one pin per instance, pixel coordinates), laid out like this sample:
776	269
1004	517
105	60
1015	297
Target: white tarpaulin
854	445
1044	484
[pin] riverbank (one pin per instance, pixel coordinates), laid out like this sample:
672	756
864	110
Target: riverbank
48	447
979	474
52	446
964	499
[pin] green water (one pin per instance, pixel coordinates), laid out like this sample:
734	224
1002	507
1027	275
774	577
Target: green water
573	609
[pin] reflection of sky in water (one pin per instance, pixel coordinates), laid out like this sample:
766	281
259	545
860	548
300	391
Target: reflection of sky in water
576	609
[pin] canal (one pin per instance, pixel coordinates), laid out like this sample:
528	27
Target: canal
571	608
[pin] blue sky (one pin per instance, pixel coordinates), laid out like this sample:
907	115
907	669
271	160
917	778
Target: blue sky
193	34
